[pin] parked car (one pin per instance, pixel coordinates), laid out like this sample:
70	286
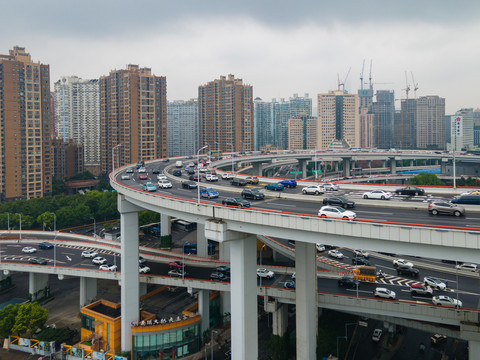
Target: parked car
330	186
445	207
288	183
403	262
446	301
89	254
468	267
265	273
339	201
176	265
238	182
336	254
235	202
336	212
410	191
347	281
251	180
377	335
164	184
420	289
313	190
149	186
384	293
254	194
219	276
377	194
274	186
208	193
467	200
99	260
407	270
29	250
290	284
45	245
177	173
434	283
37	261
189	185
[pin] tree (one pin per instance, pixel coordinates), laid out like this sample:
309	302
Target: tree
29	318
427	179
7	319
47	218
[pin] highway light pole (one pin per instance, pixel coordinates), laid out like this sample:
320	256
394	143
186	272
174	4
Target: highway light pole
94	228
20	224
231	154
211	342
54	240
261	262
198	172
113	156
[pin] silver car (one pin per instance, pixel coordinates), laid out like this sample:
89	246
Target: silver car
445	207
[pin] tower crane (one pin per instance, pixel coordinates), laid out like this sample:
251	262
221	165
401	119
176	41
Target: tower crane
415	86
361	75
342	84
407	89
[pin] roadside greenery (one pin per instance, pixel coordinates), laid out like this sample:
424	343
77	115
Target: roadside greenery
21	319
426	179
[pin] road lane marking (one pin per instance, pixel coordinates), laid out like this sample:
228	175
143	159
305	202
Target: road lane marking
69	258
374	212
360	291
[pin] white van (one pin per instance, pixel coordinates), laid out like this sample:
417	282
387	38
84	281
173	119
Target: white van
179	164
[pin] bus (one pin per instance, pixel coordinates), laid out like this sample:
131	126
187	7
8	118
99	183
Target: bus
183	225
152	229
192	249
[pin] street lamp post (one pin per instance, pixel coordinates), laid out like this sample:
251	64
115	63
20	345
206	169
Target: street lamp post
316	170
211	343
261	262
113	156
20	224
198	172
8	221
54	240
231	154
94	228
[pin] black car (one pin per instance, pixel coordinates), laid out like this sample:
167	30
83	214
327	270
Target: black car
252	194
166	160
223	269
45	245
360	261
191	171
195	178
235	202
407	270
140	164
348	282
467	200
339	201
410	191
37	261
177	173
189	185
156	171
238	182
219	276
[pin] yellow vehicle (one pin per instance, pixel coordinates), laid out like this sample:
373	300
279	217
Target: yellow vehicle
365	273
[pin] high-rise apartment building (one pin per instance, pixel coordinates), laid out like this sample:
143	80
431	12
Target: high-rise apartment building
281	114
68	158
263	123
133	116
182	128
384	110
225	113
431	122
77	115
338	119
367	140
302	132
476	127
405	125
26	119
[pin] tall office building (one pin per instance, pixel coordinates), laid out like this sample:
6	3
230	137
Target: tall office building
133	117
182	128
263	123
77	115
466	138
338	120
405	125
302	132
365	98
476	127
366	120
225	113
26	119
431	122
384	110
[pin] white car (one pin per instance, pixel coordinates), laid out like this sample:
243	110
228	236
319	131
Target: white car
99	260
336	254
446	301
320	247
227	176
29	250
384	293
211	177
468	267
265	273
336	212
330	186
362	253
142	170
164	184
435	283
108	267
377	194
377	335
402	262
313	190
125	177
143	269
88	254
161	177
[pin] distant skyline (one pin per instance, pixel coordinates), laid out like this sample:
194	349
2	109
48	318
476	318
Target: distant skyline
279	47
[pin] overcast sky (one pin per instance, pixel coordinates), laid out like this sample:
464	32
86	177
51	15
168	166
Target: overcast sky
280	47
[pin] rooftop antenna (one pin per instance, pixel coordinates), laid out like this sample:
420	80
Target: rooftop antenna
361	75
415	86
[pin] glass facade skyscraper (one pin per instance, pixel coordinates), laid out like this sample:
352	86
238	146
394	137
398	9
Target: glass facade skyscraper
384	110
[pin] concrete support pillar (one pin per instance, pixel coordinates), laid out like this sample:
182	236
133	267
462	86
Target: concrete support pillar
473	349
202	242
38	286
280	320
337	166
204	309
279	257
224	252
130	292
225	302
257	169
346	166
302	164
384	164
393	166
412	163
88	290
142	288
166	225
306	300
443	166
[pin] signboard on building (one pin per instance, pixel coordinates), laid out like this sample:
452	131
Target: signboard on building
456	126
